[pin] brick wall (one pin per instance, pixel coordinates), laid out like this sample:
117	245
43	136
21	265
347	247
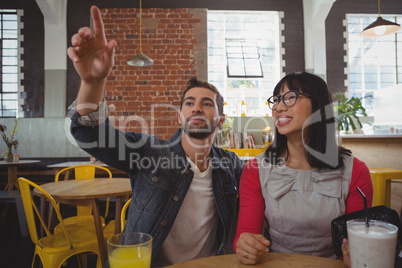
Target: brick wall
133	90
146	99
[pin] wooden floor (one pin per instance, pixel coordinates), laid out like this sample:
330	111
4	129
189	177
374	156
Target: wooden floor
17	252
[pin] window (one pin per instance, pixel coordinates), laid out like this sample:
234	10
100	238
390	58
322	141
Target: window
244	58
9	80
373	63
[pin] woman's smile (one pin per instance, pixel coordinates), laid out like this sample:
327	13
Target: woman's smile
283	120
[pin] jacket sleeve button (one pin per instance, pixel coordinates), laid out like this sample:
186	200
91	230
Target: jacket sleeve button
176	198
163	223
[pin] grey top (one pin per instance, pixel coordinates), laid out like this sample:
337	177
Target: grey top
300	205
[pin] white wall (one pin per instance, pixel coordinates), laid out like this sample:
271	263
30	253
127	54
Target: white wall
315	12
49	136
43	137
387	117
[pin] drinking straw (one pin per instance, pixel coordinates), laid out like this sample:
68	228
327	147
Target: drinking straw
366	218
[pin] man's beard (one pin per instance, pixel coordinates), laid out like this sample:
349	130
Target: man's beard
199	132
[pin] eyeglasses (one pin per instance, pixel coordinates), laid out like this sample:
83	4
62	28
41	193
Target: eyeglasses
289	99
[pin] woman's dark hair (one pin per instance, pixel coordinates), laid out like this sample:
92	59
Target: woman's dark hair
320	140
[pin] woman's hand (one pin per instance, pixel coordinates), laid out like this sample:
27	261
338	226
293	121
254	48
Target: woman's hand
92	55
250	247
345	252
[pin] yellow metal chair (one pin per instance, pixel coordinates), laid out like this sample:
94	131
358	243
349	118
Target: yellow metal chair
84	214
123	214
109	229
382	178
248	152
54	249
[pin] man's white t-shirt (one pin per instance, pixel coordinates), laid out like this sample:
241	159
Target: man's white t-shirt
193	234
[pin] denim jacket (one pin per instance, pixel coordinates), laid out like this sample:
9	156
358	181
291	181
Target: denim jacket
160	177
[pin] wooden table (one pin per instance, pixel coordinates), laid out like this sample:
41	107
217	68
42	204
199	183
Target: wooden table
87	193
12	172
276	260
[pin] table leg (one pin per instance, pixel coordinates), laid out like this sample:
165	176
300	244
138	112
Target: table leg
48	214
12	178
66	173
56	170
99	232
52	218
117	226
44	211
21	217
11	182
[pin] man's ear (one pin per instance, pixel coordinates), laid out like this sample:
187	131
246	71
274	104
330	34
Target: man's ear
222	118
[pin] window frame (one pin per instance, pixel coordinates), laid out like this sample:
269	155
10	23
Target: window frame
242	56
367	93
252	90
10	64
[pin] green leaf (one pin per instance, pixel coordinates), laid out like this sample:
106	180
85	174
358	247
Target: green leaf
347	109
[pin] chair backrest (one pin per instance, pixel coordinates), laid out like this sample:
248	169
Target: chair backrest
83	172
123	214
31	210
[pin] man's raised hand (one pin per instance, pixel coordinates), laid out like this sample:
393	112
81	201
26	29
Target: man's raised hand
92	55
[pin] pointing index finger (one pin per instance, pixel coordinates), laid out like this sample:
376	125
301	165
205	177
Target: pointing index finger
97	22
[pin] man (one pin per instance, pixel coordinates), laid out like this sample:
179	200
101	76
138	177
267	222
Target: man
184	189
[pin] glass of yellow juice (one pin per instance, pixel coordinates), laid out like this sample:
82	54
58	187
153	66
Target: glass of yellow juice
130	250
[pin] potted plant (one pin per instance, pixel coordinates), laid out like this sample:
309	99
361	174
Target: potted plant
223	135
10	142
347	111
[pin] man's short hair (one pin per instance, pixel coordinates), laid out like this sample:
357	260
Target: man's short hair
195	82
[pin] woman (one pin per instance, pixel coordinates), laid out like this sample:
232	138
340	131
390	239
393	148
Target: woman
303	181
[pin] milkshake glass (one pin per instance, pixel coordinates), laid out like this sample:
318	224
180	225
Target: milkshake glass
373	246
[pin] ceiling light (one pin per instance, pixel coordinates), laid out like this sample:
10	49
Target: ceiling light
380	27
140	59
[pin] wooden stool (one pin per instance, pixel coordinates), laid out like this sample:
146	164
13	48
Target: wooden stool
382	184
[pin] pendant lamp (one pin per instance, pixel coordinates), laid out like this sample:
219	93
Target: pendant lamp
140	59
380	27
